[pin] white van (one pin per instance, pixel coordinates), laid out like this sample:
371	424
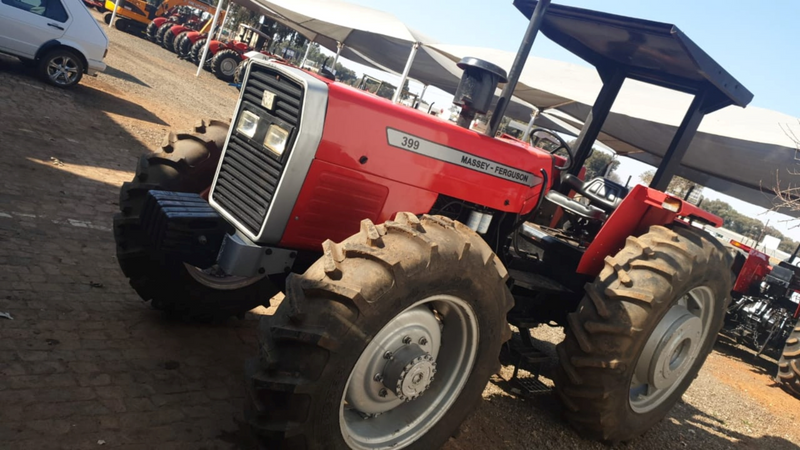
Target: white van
59	37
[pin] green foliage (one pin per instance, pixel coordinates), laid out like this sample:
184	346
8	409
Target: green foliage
597	165
746	225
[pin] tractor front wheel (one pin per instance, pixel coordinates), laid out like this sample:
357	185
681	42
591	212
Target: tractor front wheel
224	64
642	332
187	163
789	365
238	74
386	342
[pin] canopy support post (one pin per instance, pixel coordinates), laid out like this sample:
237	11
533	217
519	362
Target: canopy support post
208	41
680	143
422	94
114	13
519	63
339	47
305	56
399	91
225	19
612	82
534	114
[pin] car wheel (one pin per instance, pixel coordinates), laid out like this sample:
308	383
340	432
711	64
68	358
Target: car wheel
62	68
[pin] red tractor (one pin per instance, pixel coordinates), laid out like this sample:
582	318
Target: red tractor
765	309
406	245
224	58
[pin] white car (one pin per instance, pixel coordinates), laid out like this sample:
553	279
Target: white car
59	37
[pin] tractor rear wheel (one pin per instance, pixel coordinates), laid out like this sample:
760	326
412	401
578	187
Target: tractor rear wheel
348	360
151	31
789	364
642	332
162	31
197	51
224	64
186	164
176	44
168	40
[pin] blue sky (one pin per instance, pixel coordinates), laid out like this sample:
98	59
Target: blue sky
757	42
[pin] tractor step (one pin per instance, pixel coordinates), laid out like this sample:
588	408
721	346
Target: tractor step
527	358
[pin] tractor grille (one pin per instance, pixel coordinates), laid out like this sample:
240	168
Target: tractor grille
249	173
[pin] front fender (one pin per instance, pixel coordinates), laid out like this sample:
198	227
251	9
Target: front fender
641	208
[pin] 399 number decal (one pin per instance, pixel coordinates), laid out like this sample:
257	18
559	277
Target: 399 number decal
410	143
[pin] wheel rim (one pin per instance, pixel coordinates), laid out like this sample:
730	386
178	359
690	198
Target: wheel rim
215	278
391	399
62	70
672	349
228	66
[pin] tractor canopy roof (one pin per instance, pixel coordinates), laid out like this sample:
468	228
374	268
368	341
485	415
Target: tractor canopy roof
653	52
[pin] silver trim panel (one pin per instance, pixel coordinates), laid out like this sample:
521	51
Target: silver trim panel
424	147
309	135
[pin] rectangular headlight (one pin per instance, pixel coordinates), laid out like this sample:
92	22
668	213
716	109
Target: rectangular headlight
247	124
276	138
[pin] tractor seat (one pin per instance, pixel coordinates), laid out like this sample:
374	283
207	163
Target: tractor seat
587	211
601	192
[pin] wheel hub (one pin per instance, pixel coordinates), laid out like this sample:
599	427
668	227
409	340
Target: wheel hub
410	372
672	349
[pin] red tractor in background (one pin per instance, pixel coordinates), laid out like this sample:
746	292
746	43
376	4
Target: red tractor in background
765	308
406	245
224	58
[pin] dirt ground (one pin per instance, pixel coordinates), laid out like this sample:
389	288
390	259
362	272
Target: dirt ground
85	363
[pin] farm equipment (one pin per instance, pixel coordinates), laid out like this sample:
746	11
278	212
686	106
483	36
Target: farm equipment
225	57
406	245
765	308
135	16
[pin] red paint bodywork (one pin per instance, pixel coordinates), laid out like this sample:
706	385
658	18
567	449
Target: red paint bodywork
160	21
339	191
642	208
754	270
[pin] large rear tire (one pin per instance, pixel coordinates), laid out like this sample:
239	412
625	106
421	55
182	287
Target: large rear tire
186	164
224	64
197	51
367	326
642	332
176	44
151	31
789	364
162	31
168	40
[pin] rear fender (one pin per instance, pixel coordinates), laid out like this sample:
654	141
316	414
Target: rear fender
642	208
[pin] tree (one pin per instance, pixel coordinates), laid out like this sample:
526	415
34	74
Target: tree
597	165
679	186
745	225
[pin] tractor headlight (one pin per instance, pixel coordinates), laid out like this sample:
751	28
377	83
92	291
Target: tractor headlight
276	138
247	124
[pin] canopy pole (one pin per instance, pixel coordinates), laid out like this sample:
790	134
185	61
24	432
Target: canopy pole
305	56
519	63
208	41
339	47
422	94
399	91
225	19
114	13
534	114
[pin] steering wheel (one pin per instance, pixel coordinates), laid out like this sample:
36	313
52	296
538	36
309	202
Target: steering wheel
570	157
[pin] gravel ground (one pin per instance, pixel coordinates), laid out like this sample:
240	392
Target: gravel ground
111	119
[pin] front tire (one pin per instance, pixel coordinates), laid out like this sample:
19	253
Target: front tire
789	364
642	332
186	164
367	326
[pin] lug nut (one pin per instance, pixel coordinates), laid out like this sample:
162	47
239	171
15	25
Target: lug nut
423	341
407	340
383	392
387	355
378	377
